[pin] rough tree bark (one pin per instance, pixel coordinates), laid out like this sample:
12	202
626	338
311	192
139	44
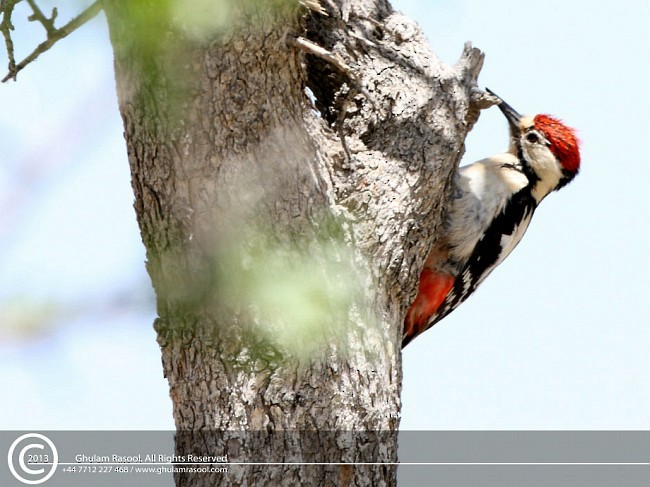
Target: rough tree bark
243	143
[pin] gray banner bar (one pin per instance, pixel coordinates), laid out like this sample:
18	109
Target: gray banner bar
525	446
523	476
445	458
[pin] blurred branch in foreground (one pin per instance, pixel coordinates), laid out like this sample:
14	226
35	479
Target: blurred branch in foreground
53	34
24	318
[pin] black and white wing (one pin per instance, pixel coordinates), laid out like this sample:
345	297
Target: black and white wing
493	247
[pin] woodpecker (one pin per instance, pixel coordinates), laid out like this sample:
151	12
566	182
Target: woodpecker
491	204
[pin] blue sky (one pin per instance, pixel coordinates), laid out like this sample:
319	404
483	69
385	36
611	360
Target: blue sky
556	338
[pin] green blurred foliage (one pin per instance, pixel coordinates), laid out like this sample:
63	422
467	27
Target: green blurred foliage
299	294
201	20
24	318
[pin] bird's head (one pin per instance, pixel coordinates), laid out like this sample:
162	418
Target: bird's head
548	150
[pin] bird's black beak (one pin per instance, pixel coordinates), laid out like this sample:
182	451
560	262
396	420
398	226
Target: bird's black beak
510	113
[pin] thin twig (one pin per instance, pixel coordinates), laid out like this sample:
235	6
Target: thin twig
335	59
340	121
7	8
53	37
355	86
313	5
318	51
39	16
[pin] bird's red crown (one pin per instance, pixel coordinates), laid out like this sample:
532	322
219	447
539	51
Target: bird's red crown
564	143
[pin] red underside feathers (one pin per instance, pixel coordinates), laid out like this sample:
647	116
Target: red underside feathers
432	291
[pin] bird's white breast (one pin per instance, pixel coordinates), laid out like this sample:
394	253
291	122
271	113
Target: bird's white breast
481	191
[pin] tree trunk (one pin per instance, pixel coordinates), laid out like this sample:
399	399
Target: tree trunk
287	199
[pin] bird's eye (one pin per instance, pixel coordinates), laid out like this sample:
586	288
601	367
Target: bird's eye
532	138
